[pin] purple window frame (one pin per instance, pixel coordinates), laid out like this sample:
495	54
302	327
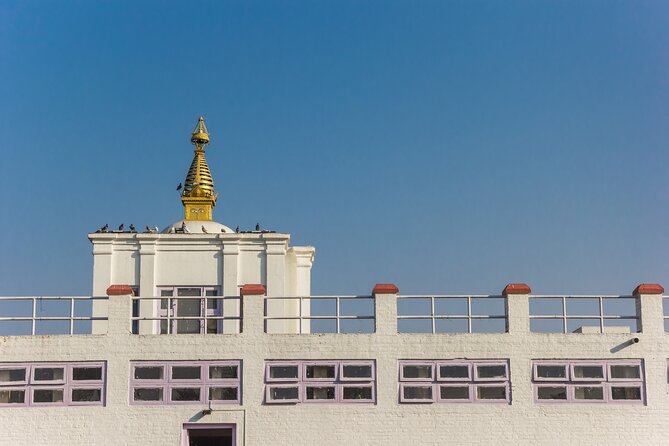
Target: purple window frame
67	384
302	382
197	426
167	383
296	364
537	378
607	382
472	381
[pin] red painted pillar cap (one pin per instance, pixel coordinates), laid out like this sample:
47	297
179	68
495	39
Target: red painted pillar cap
253	289
516	288
120	290
648	288
385	288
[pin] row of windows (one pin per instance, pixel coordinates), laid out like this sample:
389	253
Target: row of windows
295	382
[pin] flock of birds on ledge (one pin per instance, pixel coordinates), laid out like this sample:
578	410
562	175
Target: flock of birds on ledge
183	230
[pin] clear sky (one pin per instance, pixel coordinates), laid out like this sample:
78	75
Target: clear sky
444	146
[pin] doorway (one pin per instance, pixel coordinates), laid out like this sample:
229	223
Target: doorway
201	434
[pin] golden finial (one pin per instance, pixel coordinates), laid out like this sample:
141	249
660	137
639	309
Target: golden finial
198	196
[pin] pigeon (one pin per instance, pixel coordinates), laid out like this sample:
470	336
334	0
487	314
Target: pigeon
179	187
155	229
120	227
237	229
132	228
148	230
204	230
103	229
184	229
257	226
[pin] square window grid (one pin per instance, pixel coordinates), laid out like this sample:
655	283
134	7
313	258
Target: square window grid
320	382
52	384
185	382
454	381
588	381
452	314
584	314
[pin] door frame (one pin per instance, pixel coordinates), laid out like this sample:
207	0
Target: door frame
196	426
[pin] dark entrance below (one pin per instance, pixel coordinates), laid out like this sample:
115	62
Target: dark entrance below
210	437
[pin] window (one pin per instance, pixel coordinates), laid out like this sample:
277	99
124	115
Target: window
588	381
185	310
185	382
454	381
292	382
53	384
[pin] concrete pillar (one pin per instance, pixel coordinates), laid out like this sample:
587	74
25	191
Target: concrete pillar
120	310
147	285
518	312
385	307
253	309
102	272
651	315
650	308
230	286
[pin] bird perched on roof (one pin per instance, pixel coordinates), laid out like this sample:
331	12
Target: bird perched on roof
257	226
237	229
132	228
147	230
103	229
184	229
121	227
204	230
179	187
155	229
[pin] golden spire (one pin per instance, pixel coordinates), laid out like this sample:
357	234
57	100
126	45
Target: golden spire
198	196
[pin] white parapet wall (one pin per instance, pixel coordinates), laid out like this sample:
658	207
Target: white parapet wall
386	422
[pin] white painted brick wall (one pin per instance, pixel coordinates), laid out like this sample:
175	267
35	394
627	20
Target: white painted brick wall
386	423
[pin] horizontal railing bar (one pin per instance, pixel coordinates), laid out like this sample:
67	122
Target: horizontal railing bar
297	318
187	297
54	318
581	296
447	296
427	316
54	297
559	316
316	297
188	318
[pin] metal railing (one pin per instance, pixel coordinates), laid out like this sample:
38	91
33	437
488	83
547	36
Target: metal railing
47	315
571	314
319	314
166	315
452	314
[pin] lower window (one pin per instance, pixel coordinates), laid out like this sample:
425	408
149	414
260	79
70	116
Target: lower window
454	381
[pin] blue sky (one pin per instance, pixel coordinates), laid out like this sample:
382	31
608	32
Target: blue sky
444	146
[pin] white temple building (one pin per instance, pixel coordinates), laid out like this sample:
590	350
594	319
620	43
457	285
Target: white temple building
202	335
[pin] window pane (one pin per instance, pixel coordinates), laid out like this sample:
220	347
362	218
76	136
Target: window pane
454	393
49	373
320	371
223	372
490	371
356	325
417	393
357	371
417	371
86	394
189	292
357	393
451	326
588	393
87	373
212	326
588	371
626	393
48	396
223	393
284	393
12	396
185	372
552	393
454	371
488	325
491	393
451	306
488	306
320	393
420	306
214	304
148	394
356	307
582	306
211	292
625	372
164	293
151	372
12	375
546	326
185	394
540	306
551	371
323	307
283	371
619	306
414	325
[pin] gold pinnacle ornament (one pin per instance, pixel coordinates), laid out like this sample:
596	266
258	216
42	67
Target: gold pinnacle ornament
198	195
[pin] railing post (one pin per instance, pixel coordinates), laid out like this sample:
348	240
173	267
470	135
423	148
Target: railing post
518	307
119	310
651	314
385	308
253	302
518	313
